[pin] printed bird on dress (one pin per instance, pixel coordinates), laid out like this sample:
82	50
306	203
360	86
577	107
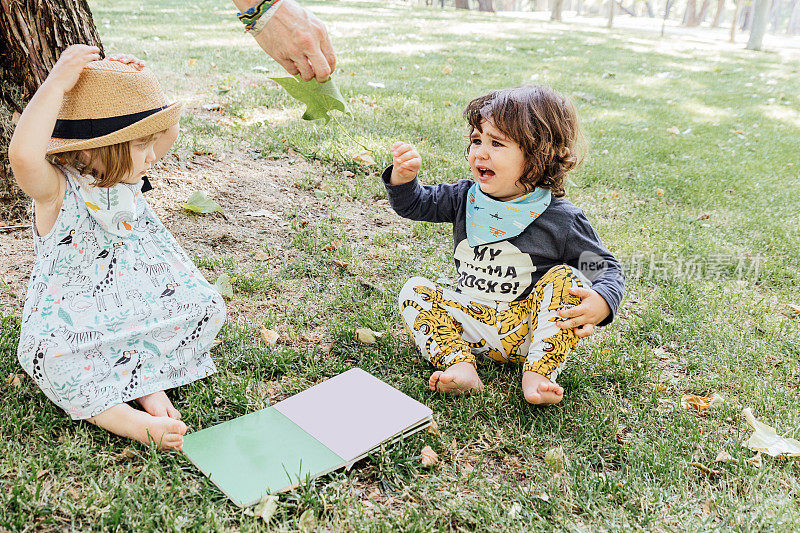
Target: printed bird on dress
169	291
67	239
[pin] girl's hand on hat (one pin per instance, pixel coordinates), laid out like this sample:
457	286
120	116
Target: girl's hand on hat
582	318
406	163
128	60
67	70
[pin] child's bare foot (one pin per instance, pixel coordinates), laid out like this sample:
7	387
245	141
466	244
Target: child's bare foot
537	389
457	379
126	421
159	404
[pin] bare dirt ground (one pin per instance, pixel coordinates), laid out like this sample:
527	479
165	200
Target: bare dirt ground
259	197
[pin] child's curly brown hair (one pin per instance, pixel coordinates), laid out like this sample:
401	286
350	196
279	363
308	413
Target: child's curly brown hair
543	123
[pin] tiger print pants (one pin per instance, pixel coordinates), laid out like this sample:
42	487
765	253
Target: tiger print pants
449	327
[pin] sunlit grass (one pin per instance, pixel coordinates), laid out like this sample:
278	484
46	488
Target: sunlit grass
722	192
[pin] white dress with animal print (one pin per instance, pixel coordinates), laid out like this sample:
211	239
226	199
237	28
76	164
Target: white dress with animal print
109	319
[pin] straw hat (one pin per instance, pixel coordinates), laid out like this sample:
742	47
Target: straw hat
111	103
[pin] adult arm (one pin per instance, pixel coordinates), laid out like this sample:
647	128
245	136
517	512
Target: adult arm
296	39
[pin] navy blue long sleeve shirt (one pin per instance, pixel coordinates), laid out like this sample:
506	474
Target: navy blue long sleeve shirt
509	269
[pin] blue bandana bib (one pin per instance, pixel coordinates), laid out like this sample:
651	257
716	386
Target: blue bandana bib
490	220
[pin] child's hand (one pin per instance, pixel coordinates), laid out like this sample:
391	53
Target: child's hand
406	161
583	317
67	70
128	60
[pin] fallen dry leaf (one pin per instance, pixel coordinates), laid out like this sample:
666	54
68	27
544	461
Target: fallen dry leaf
706	470
307	521
363	158
795	311
724	457
41	473
674	130
382	202
192	61
766	439
700	403
447	70
434	427
660	192
331	246
555	458
429	457
366	336
261	255
265	508
124	455
716	400
270	336
13	380
341	264
756	460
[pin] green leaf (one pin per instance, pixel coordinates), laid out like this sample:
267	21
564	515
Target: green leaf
223	285
200	203
63	315
320	98
152	347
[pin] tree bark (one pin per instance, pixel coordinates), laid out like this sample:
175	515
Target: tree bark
556	13
649	7
690	15
746	17
462	4
794	19
718	15
611	8
485	5
33	33
760	21
703	11
738	6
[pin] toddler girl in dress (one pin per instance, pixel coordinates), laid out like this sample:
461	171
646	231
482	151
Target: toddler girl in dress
524	255
115	309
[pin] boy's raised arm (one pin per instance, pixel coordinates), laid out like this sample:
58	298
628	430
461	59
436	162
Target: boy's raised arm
28	147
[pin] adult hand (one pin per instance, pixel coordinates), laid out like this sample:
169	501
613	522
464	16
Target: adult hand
582	318
298	40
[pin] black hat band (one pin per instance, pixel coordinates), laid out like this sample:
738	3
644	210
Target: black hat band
91	128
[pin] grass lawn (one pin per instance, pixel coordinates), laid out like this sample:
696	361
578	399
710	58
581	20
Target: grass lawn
691	179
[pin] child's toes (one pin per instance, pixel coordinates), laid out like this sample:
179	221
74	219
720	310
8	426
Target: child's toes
172	440
173	413
435	379
532	397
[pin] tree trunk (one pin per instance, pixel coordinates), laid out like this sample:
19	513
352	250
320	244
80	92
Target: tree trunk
718	15
703	11
746	19
33	33
690	15
649	7
485	5
611	8
667	8
556	13
462	4
738	5
760	20
794	19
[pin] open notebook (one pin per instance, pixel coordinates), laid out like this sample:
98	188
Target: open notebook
328	426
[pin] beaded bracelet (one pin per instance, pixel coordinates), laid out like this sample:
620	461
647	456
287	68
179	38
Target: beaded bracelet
255	18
